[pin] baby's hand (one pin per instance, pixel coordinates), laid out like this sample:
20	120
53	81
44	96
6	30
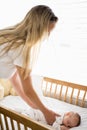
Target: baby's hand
63	127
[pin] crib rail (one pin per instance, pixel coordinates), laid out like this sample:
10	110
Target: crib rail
11	120
66	91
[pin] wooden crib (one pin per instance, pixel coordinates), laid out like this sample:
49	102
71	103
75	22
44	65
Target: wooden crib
65	91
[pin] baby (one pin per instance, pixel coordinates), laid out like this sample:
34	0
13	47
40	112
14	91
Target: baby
68	120
63	122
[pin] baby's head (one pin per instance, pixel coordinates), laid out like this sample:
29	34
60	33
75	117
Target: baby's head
71	119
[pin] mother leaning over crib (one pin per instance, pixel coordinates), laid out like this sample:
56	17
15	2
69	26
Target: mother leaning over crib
19	47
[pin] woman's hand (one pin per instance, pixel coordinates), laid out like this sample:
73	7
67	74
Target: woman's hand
50	116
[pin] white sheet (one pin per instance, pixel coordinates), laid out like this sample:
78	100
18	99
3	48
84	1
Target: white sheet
54	104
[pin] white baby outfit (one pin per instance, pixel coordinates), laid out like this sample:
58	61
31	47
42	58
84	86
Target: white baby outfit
38	116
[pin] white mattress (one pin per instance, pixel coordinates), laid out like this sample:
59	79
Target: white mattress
54	104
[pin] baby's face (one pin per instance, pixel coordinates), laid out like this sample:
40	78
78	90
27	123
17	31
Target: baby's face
70	119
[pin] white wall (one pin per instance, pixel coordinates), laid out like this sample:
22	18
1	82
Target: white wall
64	54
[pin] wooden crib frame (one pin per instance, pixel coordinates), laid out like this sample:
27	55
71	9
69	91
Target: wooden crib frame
66	91
52	88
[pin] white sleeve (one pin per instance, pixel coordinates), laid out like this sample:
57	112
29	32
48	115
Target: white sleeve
18	60
58	121
56	126
17	56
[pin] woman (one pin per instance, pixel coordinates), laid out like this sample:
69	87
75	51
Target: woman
18	49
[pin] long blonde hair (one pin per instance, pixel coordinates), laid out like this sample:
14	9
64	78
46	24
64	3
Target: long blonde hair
28	33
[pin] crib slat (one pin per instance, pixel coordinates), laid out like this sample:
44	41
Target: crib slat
2	127
18	124
66	94
71	95
1	122
82	103
46	88
60	92
50	89
77	97
55	91
25	128
6	122
12	124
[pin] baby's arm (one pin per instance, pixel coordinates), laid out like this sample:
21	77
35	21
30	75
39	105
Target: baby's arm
63	128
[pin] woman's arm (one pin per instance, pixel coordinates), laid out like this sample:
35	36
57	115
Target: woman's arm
29	90
32	95
19	89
